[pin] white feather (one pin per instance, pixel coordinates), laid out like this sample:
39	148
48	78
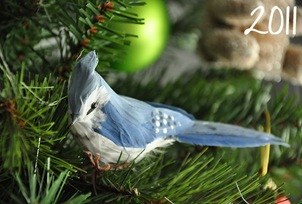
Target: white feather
110	152
99	95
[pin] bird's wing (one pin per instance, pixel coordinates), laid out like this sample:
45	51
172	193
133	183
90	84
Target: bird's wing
133	123
173	108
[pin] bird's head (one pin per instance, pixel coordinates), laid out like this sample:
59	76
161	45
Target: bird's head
85	92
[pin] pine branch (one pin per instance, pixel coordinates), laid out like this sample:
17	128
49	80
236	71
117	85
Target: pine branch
199	178
66	29
27	125
91	26
45	188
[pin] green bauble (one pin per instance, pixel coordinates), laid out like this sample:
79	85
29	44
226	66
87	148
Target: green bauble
152	36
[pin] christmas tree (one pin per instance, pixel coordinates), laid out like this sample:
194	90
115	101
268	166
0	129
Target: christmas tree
42	163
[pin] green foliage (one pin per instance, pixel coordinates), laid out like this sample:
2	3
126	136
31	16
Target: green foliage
198	178
52	34
46	189
24	121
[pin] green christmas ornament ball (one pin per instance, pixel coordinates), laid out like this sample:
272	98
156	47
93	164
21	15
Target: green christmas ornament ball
152	36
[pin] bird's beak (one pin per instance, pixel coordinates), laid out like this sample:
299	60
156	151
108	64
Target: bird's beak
74	118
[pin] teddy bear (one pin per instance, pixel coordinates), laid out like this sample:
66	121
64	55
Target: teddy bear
252	35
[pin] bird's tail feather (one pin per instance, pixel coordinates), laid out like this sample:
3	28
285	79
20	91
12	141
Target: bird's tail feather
218	134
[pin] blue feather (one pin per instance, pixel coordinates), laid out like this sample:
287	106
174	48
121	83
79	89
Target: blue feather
219	134
133	123
159	105
121	130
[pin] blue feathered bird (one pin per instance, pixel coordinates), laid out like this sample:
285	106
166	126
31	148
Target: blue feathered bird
106	124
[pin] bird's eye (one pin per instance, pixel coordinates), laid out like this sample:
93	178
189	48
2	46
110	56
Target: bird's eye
92	107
